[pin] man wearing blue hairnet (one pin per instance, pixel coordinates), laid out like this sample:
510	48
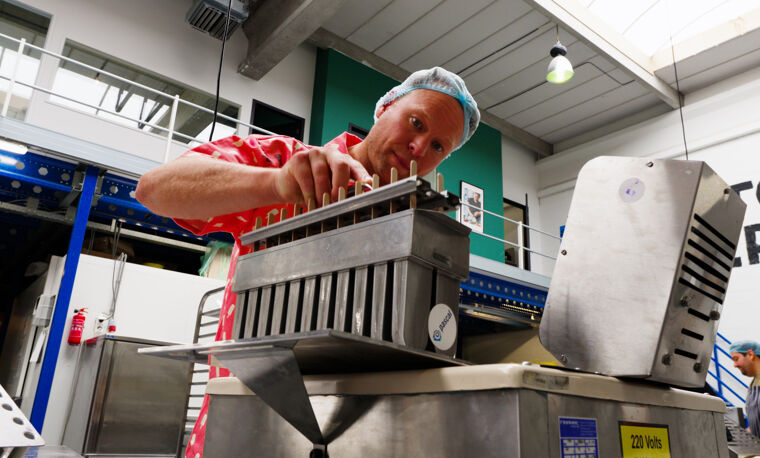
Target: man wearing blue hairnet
746	356
227	184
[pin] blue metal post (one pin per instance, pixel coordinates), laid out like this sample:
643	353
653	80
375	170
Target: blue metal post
45	383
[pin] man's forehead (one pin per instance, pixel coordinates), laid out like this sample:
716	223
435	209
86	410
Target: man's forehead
430	98
431	102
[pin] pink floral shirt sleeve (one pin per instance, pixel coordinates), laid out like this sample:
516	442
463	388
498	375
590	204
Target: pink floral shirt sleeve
256	151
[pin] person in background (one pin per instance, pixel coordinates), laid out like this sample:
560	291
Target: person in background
225	185
746	356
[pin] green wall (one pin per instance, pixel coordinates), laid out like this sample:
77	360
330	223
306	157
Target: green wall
478	162
345	91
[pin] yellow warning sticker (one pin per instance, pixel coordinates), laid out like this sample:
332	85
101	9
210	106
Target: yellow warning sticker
639	440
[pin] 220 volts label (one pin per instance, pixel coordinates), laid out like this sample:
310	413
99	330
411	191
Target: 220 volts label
640	440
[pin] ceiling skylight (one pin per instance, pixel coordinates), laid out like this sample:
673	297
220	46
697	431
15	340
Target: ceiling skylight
648	24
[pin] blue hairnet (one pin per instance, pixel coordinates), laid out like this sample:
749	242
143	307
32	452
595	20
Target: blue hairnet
741	346
438	79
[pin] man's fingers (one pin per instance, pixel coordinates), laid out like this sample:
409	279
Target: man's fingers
321	174
340	174
358	172
303	176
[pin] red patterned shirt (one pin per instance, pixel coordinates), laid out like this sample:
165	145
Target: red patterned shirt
256	151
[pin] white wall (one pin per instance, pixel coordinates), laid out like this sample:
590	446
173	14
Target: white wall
723	129
520	177
153	304
154	35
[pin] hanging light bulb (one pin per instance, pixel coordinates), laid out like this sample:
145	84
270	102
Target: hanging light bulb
560	69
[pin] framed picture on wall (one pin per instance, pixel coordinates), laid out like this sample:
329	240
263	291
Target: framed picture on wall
470	212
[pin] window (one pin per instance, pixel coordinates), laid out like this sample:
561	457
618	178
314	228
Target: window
19	21
515	212
141	105
275	120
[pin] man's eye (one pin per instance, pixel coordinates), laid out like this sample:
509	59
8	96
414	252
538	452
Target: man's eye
417	123
438	147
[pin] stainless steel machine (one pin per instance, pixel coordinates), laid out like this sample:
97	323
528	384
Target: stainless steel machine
644	264
339	334
124	403
373	265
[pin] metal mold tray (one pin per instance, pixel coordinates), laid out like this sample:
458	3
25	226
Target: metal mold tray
317	352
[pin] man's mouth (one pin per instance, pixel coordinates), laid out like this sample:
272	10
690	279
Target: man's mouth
402	162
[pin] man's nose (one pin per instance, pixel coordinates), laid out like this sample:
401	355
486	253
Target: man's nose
417	147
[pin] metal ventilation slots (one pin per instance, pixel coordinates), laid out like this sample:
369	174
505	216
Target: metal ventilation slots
707	260
210	15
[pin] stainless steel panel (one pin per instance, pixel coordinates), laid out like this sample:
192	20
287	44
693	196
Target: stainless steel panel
503	422
252	313
342	320
238	323
447	292
691	432
362	307
429	236
278	309
619	281
50	451
437	425
412	290
265	311
133	405
533	423
309	312
325	307
380	311
294	308
319	352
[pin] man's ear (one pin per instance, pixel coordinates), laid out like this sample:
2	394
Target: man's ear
751	355
383	109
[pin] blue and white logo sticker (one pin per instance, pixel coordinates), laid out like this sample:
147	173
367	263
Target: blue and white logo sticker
442	326
631	190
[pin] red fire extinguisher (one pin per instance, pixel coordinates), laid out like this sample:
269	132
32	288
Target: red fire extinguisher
77	326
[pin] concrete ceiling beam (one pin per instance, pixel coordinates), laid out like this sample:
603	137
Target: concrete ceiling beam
277	27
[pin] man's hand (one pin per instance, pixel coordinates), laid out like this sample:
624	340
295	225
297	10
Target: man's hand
311	173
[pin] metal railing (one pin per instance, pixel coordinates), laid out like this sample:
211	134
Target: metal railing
720	369
171	131
520	245
176	100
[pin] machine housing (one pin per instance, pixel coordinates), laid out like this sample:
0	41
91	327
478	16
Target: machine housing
643	269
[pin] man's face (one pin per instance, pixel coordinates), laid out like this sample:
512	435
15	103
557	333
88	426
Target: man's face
744	362
423	125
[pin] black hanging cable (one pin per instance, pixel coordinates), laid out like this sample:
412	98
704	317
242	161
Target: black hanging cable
219	73
678	87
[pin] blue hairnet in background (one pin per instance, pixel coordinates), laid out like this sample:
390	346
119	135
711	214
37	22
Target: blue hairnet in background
742	346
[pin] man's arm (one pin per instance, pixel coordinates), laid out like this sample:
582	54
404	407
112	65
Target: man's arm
200	188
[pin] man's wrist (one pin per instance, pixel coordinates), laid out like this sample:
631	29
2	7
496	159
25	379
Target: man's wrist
263	187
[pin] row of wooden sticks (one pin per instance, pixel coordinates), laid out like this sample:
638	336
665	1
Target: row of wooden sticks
358	188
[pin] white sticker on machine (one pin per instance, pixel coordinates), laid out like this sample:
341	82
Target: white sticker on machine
631	190
442	326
